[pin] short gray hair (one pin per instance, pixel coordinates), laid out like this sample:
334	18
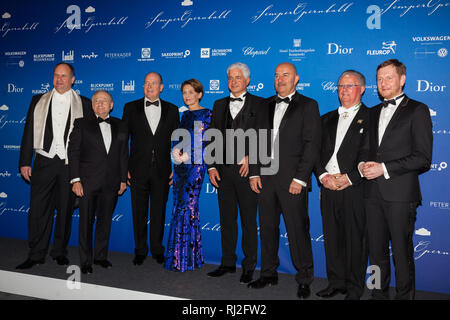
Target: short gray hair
241	66
358	75
104	91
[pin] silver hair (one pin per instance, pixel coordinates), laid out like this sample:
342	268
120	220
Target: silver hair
241	66
104	91
358	75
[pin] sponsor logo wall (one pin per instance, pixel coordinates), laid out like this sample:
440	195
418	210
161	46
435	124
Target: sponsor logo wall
113	46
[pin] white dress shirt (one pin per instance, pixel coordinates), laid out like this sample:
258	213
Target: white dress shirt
236	106
105	128
346	117
153	114
280	110
60	112
385	117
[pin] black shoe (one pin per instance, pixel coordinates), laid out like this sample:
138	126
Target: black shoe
86	269
303	291
29	264
221	271
159	258
103	263
61	260
329	292
263	282
138	259
246	277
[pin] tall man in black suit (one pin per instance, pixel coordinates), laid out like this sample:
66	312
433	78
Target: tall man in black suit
150	123
48	125
295	121
399	148
98	156
238	111
341	193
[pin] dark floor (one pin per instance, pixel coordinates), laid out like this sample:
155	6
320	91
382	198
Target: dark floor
151	277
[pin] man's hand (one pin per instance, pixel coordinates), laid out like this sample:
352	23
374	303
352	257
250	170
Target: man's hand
342	181
129	178
26	172
77	188
123	187
329	182
244	166
214	177
372	170
256	184
295	188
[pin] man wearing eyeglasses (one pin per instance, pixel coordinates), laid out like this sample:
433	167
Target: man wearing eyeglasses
341	193
150	123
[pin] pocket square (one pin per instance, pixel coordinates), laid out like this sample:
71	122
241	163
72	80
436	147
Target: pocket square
362	130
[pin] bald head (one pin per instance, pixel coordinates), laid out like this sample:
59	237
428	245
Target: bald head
286	79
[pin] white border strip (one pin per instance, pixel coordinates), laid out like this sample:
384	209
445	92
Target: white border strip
56	289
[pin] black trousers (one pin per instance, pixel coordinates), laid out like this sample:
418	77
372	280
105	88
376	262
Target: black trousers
234	192
345	235
50	191
156	188
100	204
392	221
273	201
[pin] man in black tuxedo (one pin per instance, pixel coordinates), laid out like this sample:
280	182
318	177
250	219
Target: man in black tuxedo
150	122
341	193
48	125
295	121
399	148
98	155
230	177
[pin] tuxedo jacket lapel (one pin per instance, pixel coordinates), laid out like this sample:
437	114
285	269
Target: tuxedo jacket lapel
163	117
143	117
352	129
332	129
392	123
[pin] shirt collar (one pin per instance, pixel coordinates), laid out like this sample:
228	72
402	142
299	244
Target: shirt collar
289	95
242	96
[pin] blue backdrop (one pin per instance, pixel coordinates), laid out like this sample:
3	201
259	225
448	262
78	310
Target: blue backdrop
113	44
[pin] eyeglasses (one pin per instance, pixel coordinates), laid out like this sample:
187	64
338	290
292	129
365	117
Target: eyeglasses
347	86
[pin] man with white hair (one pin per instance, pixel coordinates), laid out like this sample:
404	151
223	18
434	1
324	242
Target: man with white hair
230	176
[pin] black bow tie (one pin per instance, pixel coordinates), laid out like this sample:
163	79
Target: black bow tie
285	100
237	99
100	120
149	103
392	101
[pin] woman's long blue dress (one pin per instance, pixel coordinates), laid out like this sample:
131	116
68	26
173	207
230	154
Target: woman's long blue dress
184	248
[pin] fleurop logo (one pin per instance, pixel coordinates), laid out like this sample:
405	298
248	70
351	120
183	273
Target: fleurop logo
388	47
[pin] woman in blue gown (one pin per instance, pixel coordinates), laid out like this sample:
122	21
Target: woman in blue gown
184	248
